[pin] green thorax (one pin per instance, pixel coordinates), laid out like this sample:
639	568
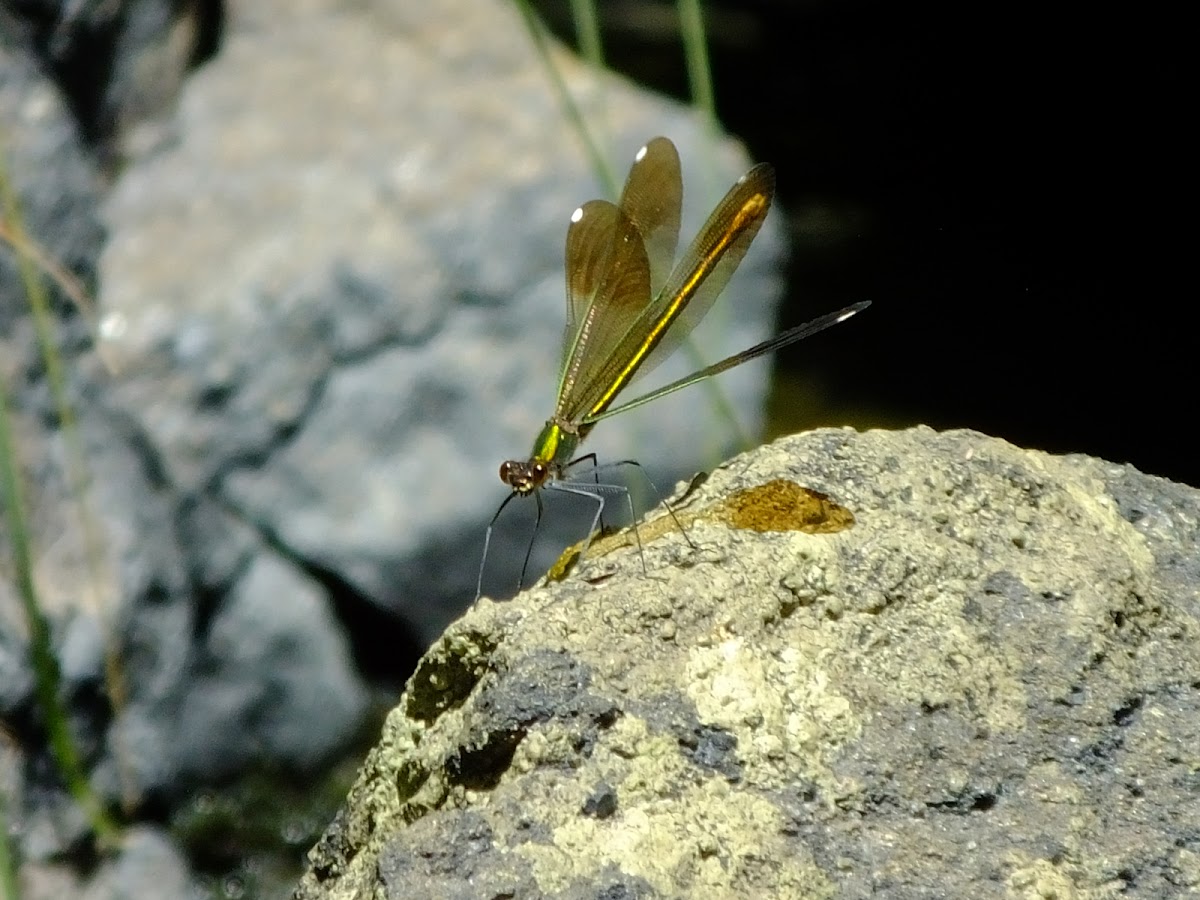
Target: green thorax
555	446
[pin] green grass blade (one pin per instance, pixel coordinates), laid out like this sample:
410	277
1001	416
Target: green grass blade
541	43
587	28
8	863
695	54
46	671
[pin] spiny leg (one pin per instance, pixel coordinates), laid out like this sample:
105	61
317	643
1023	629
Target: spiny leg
595	475
537	523
658	496
592	492
487	542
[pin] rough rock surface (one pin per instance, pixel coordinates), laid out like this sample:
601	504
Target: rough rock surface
988	686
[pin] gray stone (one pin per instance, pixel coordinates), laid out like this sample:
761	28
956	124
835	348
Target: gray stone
16	677
149	865
55	183
146	866
984	685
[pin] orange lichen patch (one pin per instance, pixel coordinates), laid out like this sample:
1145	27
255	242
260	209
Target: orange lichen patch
783	505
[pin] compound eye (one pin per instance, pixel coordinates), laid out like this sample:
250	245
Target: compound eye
506	469
539	470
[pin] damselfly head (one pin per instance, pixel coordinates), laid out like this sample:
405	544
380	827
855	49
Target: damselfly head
524	477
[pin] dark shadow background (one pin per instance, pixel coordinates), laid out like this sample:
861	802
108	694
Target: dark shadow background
1004	182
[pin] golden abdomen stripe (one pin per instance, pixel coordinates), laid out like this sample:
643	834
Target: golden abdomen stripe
749	211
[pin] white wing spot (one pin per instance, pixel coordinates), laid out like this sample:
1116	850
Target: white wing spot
641	154
576	216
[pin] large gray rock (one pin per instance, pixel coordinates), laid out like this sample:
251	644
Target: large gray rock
986	686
